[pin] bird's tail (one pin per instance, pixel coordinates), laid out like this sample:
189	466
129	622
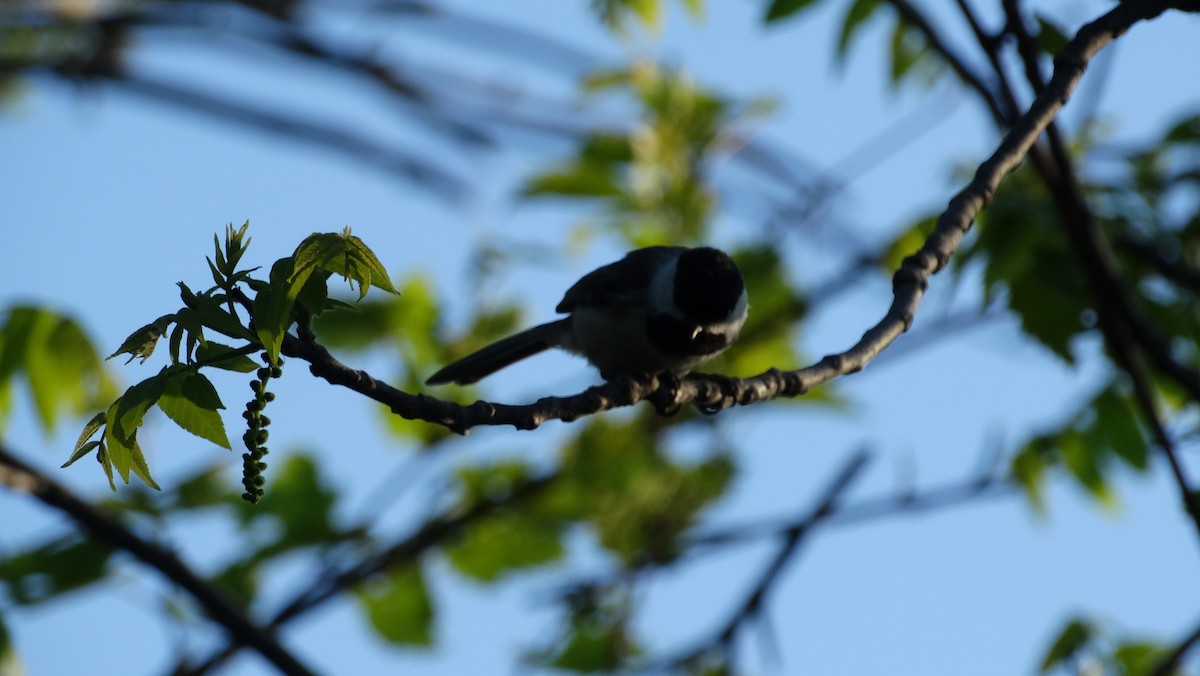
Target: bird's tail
501	353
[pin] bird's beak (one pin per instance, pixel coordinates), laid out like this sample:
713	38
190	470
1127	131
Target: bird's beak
696	331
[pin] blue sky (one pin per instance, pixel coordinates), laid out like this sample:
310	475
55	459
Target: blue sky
109	199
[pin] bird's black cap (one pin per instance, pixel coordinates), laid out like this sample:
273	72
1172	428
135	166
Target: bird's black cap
708	285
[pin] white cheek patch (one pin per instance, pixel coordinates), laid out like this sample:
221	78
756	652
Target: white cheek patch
732	326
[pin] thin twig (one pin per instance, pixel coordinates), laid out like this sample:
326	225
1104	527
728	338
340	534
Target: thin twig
956	62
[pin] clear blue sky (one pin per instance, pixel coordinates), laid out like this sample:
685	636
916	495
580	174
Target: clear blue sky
108	200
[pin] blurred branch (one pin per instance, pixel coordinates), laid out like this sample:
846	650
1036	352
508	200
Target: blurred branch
22	478
1171	269
104	49
957	63
327	136
990	482
405	550
752	606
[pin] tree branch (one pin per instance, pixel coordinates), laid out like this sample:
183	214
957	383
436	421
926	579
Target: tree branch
407	549
712	393
22	478
1170	665
752	605
958	64
1121	319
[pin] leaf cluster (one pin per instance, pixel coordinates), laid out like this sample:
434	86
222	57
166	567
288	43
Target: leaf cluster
55	359
652	178
295	292
1085	645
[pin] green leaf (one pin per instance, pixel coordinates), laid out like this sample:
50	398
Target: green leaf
224	357
905	244
1117	426
1050	37
9	663
613	12
124	417
858	13
80	452
602	149
90	428
215	316
510	540
192	402
616	477
1029	469
314	294
907	47
1086	463
343	254
1050	303
41	573
106	464
1186	131
1074	637
399	607
506	543
119	452
141	343
588	652
139	466
585	179
781	9
272	308
648	11
303	505
1139	658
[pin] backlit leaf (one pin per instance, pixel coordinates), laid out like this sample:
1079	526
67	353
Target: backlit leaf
399	606
141	343
1070	640
192	402
781	9
1050	37
273	308
224	357
85	449
856	16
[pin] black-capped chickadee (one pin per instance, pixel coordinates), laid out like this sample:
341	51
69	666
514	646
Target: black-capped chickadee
662	308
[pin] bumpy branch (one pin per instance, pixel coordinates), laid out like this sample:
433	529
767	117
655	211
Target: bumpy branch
712	393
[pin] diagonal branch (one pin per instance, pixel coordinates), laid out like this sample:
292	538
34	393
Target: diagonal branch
752	606
22	478
1122	321
712	393
957	63
405	550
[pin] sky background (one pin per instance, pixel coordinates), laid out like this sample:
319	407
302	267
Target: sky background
109	199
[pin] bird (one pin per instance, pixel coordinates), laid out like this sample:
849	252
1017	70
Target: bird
658	309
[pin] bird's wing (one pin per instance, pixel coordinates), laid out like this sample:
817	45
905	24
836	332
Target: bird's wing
618	283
